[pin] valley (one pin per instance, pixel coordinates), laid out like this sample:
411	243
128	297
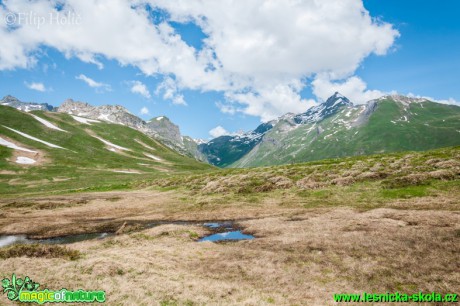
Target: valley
119	210
373	224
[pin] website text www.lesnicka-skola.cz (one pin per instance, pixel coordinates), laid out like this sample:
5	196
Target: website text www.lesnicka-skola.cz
419	297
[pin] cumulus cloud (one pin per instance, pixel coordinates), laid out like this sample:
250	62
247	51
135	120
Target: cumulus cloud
258	53
138	87
100	87
218	131
170	91
269	103
36	86
353	88
145	111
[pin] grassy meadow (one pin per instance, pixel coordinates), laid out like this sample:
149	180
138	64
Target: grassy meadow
377	224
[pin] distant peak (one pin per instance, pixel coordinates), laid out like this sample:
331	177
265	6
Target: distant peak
404	99
160	118
337	99
9	98
72	101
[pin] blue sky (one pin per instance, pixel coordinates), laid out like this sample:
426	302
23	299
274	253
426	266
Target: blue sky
423	59
426	59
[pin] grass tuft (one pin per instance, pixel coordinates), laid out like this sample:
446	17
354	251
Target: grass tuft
39	251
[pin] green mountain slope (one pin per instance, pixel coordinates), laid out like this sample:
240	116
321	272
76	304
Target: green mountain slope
94	154
389	124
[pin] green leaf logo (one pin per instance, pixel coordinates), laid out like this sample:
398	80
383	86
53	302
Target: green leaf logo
14	287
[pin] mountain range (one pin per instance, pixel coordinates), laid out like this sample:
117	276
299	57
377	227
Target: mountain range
332	129
160	128
43	149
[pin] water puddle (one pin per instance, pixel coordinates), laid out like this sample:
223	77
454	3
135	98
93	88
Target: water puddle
226	231
221	231
227	236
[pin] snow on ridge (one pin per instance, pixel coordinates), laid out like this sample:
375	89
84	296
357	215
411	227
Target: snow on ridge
11	145
34	138
199	140
105	117
47	123
159	118
336	102
112	144
84	120
29	108
25	160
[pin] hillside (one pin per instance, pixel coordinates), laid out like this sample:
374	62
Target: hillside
159	128
57	151
337	128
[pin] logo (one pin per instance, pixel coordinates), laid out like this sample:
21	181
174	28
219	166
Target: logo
26	291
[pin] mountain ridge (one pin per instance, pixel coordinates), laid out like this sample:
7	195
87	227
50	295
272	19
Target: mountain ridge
390	123
161	129
334	128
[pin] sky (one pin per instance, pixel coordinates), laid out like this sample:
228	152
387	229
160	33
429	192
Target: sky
218	67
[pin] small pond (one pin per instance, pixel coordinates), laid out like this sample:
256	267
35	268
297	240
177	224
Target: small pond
224	231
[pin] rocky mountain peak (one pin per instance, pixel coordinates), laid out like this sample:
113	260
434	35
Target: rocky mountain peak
166	128
160	118
404	99
9	99
24	106
323	110
337	100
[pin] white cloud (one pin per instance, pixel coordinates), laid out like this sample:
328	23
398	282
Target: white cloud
145	111
218	131
170	91
140	88
93	84
451	101
269	103
227	108
353	88
356	90
36	86
257	52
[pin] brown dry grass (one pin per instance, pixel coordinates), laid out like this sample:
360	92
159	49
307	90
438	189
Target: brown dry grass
300	258
374	225
301	255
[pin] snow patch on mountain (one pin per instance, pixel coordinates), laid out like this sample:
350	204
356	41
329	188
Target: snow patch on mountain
13	146
25	160
34	138
84	120
112	145
47	123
